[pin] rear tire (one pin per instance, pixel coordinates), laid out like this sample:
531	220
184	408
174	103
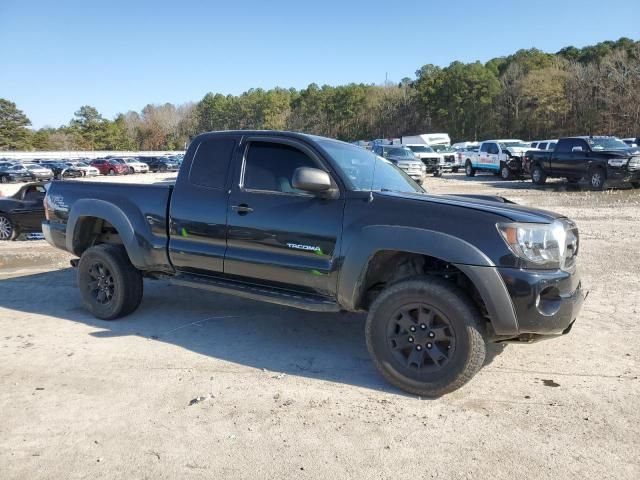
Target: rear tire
597	178
425	336
469	170
110	286
131	170
538	177
4	179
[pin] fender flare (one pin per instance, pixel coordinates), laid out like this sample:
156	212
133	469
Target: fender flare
134	244
479	268
372	239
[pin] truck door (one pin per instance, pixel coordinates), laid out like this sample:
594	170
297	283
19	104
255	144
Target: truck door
563	158
277	235
494	157
483	154
198	210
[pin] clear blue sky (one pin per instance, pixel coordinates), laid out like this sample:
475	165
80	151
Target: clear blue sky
120	55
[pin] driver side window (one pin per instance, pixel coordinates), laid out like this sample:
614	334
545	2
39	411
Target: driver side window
269	167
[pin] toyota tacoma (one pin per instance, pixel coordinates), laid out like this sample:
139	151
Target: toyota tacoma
322	225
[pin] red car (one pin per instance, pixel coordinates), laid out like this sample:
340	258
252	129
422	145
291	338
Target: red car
110	167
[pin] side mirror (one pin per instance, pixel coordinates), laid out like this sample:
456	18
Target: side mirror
576	149
311	180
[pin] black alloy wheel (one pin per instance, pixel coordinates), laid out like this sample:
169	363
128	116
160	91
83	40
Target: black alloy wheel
421	337
101	285
425	336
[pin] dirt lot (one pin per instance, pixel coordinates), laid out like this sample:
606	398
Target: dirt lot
203	386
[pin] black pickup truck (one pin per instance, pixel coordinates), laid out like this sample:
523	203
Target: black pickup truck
322	225
597	159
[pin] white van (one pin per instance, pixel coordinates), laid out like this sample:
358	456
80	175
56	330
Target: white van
430	139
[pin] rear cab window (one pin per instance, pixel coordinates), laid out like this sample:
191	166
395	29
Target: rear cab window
211	161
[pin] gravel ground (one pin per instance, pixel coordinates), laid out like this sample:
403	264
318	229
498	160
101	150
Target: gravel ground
198	385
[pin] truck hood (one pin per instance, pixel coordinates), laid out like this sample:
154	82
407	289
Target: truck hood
518	150
627	152
486	203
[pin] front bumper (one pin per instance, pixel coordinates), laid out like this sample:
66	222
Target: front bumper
623	175
545	302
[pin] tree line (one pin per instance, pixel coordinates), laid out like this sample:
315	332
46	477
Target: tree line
530	94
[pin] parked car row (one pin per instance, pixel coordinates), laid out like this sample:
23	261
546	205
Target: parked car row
594	158
60	169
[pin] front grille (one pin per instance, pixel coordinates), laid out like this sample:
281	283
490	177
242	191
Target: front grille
449	158
429	162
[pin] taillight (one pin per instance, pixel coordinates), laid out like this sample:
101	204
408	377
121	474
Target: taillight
45	204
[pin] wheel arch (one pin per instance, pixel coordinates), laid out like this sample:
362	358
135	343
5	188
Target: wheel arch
393	254
87	222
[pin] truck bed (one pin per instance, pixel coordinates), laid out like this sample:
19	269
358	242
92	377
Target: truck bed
138	212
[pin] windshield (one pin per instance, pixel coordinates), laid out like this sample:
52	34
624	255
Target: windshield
15	167
367	171
515	143
606	143
400	152
440	148
421	149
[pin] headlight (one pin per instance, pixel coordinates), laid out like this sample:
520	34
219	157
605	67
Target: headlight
617	162
542	244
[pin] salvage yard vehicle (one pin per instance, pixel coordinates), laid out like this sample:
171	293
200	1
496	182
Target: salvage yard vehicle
322	225
62	170
405	160
502	157
162	164
433	162
135	165
86	169
22	212
39	172
14	173
596	158
109	166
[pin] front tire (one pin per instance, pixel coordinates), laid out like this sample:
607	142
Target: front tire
110	286
111	172
455	169
425	336
635	184
538	177
505	172
597	178
469	170
437	173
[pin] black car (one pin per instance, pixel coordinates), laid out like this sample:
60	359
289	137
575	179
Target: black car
14	173
22	212
161	164
597	159
326	226
61	170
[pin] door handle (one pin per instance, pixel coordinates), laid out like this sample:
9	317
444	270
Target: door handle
242	209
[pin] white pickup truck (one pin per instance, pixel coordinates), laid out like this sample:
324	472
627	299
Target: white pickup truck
502	157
